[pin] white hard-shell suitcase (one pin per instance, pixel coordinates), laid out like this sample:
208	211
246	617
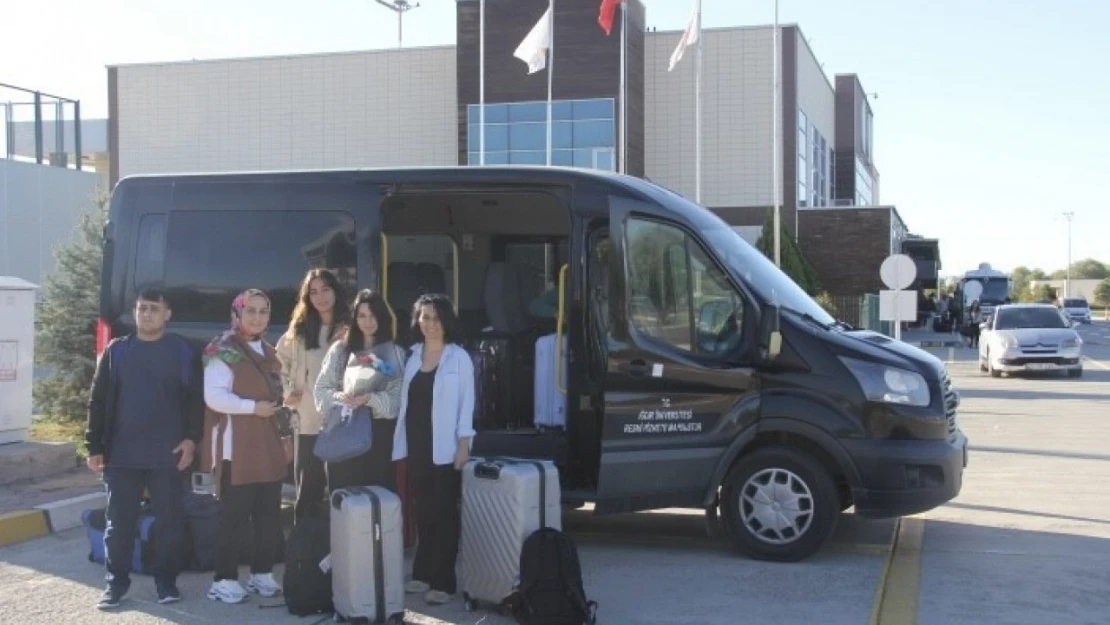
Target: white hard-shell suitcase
550	408
367	555
501	506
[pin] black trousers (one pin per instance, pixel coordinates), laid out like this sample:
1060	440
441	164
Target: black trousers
436	491
125	494
256	505
374	468
311	478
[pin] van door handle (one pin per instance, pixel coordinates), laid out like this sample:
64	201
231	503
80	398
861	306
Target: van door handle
636	368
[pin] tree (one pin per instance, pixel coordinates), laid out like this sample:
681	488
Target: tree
793	263
1022	277
1045	293
1086	269
65	337
1102	292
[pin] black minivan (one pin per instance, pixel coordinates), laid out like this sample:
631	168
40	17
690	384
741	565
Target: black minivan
697	374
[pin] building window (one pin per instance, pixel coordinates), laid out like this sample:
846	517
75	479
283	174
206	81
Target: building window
803	167
865	194
583	133
819	170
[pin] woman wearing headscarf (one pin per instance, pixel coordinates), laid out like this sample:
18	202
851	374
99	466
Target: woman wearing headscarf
248	446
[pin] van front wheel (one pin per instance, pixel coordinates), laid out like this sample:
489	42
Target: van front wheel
779	504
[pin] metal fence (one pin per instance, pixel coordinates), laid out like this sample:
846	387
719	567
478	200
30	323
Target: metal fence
39	127
861	311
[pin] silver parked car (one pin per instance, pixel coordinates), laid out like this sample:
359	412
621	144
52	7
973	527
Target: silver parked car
1029	337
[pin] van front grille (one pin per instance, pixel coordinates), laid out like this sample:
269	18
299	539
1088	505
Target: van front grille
951	403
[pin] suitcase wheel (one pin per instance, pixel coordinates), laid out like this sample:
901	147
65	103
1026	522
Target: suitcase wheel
468	603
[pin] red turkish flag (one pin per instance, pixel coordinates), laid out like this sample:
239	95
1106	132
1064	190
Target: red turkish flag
605	18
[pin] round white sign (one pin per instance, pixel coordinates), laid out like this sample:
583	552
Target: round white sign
898	271
972	290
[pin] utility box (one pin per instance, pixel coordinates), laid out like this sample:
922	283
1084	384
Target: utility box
17	357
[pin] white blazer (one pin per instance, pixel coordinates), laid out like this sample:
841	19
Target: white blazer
452	403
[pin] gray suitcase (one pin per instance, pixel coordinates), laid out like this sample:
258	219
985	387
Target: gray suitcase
367	555
501	506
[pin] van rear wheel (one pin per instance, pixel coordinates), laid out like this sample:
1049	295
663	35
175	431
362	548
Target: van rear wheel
779	504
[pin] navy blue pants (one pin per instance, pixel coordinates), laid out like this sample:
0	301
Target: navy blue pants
125	493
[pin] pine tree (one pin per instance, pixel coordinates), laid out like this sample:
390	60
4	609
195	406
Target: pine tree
794	263
65	337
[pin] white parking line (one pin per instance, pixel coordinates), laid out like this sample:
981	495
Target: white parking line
1096	363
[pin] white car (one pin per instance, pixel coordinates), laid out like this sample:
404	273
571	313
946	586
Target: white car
1029	337
1076	309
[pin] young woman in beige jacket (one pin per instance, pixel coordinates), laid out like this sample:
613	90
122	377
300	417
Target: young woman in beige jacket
321	315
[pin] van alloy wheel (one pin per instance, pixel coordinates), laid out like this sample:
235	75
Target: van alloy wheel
779	504
776	506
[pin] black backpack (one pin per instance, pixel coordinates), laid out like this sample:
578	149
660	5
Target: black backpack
307	589
551	591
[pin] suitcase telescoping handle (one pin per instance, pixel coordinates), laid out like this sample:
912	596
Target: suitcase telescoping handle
488	470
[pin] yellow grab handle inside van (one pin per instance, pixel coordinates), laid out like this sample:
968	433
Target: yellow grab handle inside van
559	325
384	273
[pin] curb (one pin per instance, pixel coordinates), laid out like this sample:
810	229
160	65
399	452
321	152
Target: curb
58	516
16	527
66	514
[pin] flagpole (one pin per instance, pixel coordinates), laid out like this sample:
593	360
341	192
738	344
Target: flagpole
775	139
624	91
482	82
550	71
697	116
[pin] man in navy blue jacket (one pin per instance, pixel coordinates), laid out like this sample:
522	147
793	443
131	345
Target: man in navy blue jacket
146	414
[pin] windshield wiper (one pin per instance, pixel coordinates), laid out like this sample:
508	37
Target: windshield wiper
808	317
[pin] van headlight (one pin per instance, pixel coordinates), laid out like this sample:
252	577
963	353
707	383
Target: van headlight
890	385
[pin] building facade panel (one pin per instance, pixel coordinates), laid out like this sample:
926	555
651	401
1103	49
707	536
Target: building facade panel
817	101
737	100
362	109
846	246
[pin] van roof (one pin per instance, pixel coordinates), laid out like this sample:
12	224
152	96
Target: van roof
462	175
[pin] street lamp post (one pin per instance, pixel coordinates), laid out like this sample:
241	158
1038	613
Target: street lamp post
401	7
1067	279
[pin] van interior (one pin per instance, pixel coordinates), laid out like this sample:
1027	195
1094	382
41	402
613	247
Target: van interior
501	257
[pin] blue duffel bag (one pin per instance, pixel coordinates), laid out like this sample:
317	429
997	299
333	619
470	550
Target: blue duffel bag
142	560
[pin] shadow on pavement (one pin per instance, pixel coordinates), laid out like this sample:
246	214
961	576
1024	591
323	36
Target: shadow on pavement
1015	511
1039	452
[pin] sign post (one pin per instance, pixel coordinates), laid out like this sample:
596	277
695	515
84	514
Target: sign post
898	272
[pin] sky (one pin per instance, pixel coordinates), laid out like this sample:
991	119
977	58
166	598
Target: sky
991	116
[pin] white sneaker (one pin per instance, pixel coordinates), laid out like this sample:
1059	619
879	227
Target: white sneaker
415	586
263	584
227	591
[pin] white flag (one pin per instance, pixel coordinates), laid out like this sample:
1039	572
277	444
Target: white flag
533	50
689	36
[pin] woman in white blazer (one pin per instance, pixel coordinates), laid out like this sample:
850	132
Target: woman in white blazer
434	432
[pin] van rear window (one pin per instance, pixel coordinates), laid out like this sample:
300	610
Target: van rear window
213	255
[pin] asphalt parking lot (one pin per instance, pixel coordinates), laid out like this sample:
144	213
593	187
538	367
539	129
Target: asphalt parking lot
1027	541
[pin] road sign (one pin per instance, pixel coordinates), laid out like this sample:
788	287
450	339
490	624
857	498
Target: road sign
898	271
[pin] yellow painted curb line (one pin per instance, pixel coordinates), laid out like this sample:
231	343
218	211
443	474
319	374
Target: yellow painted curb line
899	589
16	527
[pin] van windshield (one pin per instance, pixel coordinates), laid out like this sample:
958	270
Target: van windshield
760	273
1075	303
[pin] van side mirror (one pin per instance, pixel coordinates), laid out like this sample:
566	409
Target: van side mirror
770	338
